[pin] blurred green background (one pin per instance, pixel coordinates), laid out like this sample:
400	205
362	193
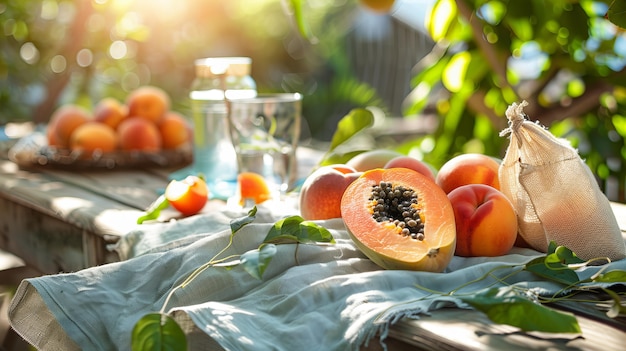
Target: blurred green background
56	51
459	63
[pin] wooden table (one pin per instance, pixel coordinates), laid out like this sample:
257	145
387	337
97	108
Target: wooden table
63	221
59	220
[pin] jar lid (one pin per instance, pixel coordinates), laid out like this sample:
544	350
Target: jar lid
214	66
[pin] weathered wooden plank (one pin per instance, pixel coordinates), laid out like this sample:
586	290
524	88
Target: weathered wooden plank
56	226
59	221
134	188
45	242
456	329
73	204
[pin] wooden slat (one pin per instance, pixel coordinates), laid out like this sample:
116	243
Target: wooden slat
56	226
133	188
383	55
456	329
43	241
60	221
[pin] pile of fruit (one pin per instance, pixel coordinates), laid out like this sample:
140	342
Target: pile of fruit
144	123
190	195
400	211
403	214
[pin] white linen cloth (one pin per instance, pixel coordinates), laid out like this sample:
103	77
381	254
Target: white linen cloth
313	297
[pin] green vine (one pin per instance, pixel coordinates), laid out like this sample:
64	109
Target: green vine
523	307
159	331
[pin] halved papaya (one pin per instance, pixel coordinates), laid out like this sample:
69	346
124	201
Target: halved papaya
400	219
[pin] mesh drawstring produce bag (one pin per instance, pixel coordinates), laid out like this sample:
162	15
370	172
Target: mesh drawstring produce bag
555	194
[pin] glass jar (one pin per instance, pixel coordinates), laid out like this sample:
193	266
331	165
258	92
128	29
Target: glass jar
214	155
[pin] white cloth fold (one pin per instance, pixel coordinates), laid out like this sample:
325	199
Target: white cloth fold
314	297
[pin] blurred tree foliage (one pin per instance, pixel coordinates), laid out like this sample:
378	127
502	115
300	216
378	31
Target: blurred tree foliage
60	51
57	51
563	57
566	58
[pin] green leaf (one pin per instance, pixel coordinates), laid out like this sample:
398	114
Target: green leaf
561	258
555	266
335	158
154	210
284	230
552	247
615	276
352	123
441	17
428	78
357	120
539	267
505	306
295	229
156	331
301	23
256	261
239	223
521	28
313	232
617	13
454	75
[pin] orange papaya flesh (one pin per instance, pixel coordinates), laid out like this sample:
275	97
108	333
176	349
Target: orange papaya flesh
382	239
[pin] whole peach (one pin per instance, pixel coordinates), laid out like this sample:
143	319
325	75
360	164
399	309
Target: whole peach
320	196
138	133
174	130
411	163
64	121
110	111
149	102
486	223
468	169
92	136
372	159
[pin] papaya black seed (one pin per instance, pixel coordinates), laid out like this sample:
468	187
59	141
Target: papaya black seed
396	204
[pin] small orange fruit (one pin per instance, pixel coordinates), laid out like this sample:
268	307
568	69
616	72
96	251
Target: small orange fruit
321	192
110	111
187	196
411	163
51	134
92	136
174	130
486	222
252	186
64	121
466	169
148	102
379	6
136	133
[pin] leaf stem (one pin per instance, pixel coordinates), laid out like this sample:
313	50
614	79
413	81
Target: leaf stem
295	254
199	271
490	274
484	276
